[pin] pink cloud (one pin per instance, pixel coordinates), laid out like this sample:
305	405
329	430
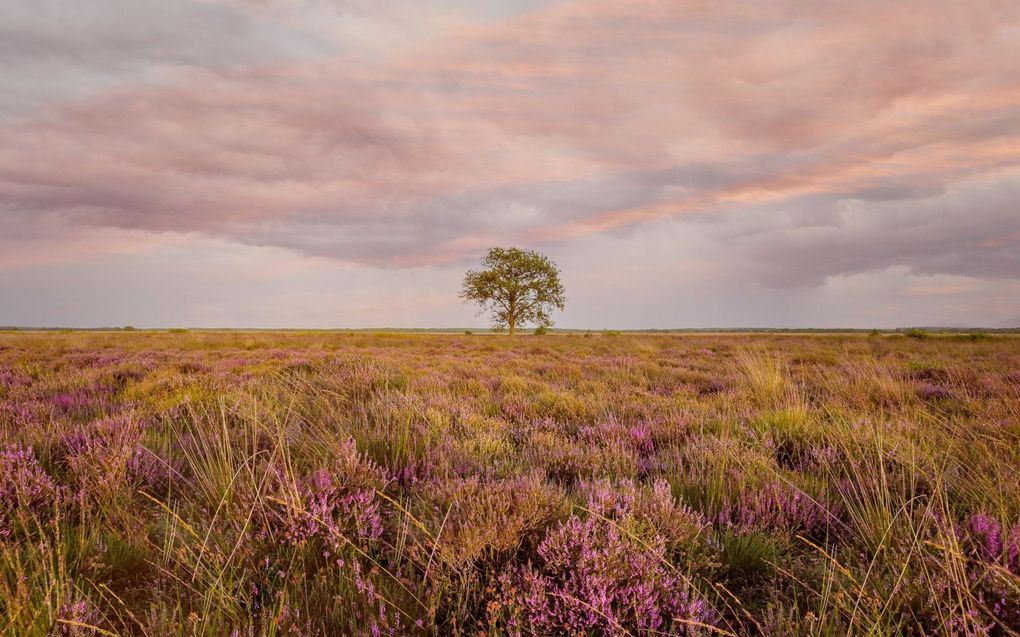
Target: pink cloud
580	112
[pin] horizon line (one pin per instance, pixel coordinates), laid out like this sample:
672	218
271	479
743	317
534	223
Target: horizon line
489	330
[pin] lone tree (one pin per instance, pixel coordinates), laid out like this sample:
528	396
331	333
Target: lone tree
517	286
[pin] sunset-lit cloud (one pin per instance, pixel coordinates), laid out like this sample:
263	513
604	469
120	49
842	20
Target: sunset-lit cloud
792	143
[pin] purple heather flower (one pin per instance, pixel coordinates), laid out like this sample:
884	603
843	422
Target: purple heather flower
77	618
98	454
930	391
993	549
641	437
591	577
776	506
986	535
338	503
10	379
22	481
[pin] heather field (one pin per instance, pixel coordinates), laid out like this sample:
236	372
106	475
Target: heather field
230	483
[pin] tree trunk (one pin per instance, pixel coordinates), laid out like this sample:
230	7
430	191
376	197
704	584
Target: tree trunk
512	315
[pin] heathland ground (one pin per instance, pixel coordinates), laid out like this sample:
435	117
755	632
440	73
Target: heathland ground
269	483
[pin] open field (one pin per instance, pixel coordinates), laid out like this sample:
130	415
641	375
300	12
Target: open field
332	484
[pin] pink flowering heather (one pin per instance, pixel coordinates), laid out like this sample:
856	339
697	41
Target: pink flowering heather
637	437
814	458
98	454
338	503
594	574
777	507
592	578
996	565
96	359
84	403
23	414
23	483
984	534
377	617
641	438
332	511
339	507
602	497
9	379
1013	550
67	402
78	619
149	471
931	391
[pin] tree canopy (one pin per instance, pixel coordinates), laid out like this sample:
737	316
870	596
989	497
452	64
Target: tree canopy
516	286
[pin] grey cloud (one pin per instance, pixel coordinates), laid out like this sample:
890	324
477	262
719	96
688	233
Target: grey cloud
60	49
972	230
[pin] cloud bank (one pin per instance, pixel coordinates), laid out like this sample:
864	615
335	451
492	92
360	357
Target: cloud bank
802	141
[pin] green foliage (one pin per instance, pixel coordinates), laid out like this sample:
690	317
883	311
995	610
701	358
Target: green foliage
974	336
749	554
541	330
516	286
124	562
915	333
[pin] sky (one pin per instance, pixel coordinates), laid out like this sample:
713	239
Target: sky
341	163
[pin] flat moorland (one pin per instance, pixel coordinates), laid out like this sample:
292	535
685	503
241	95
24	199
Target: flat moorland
336	484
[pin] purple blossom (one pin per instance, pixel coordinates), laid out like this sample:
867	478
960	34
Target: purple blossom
930	391
22	481
97	454
150	471
813	458
641	438
333	511
601	498
97	358
84	402
628	441
989	541
777	507
993	549
339	502
1013	550
78	619
10	379
592	577
985	534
